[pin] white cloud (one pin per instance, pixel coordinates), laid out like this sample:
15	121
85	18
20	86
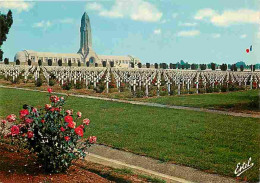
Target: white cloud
188	24
243	36
216	35
43	24
67	21
174	15
94	6
190	33
157	31
164	21
138	10
18	5
229	17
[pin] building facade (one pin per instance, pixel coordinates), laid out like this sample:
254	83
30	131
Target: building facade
84	55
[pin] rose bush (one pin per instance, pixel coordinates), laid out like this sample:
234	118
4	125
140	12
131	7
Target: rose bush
50	133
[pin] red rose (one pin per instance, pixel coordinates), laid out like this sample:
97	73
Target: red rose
49	90
43	121
54	98
92	139
69	112
72	125
67	138
34	110
15	130
47	106
57	109
30	134
24	113
81	126
4	121
62	129
79	131
28	120
86	121
52	109
79	114
68	119
11	118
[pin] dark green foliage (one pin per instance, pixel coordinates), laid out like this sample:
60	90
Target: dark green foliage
139	93
139	65
203	67
104	63
6	61
69	63
29	62
241	67
79	85
17	62
51	82
49	62
112	64
38	82
6	22
59	62
39	62
147	65
223	67
67	86
213	66
156	66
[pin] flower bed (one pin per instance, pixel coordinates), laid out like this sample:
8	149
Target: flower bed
50	133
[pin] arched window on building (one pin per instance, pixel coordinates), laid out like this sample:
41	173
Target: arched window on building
91	60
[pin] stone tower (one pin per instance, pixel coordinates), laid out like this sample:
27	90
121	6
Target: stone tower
86	40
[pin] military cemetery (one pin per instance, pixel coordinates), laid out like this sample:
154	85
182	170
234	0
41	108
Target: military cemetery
90	116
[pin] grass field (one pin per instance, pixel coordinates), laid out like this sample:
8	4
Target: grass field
211	142
245	100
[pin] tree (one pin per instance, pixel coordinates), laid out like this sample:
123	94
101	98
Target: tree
40	62
241	67
148	65
223	67
203	67
29	62
171	65
6	61
213	66
49	62
59	62
174	66
79	63
17	62
69	63
187	65
156	66
252	67
139	65
6	22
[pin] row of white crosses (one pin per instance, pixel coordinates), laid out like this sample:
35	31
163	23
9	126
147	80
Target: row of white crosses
75	74
142	78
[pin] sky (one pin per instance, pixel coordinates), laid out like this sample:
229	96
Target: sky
196	31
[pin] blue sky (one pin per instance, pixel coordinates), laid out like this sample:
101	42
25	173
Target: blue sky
155	31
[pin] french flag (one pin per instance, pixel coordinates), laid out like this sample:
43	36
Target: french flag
250	49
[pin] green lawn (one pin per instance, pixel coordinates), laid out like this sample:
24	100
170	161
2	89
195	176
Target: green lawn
248	100
205	141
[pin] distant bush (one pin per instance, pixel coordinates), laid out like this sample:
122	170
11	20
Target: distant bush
79	85
100	88
67	86
139	93
51	82
223	88
38	82
6	61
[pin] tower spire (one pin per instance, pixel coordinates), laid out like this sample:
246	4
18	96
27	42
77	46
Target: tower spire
85	35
